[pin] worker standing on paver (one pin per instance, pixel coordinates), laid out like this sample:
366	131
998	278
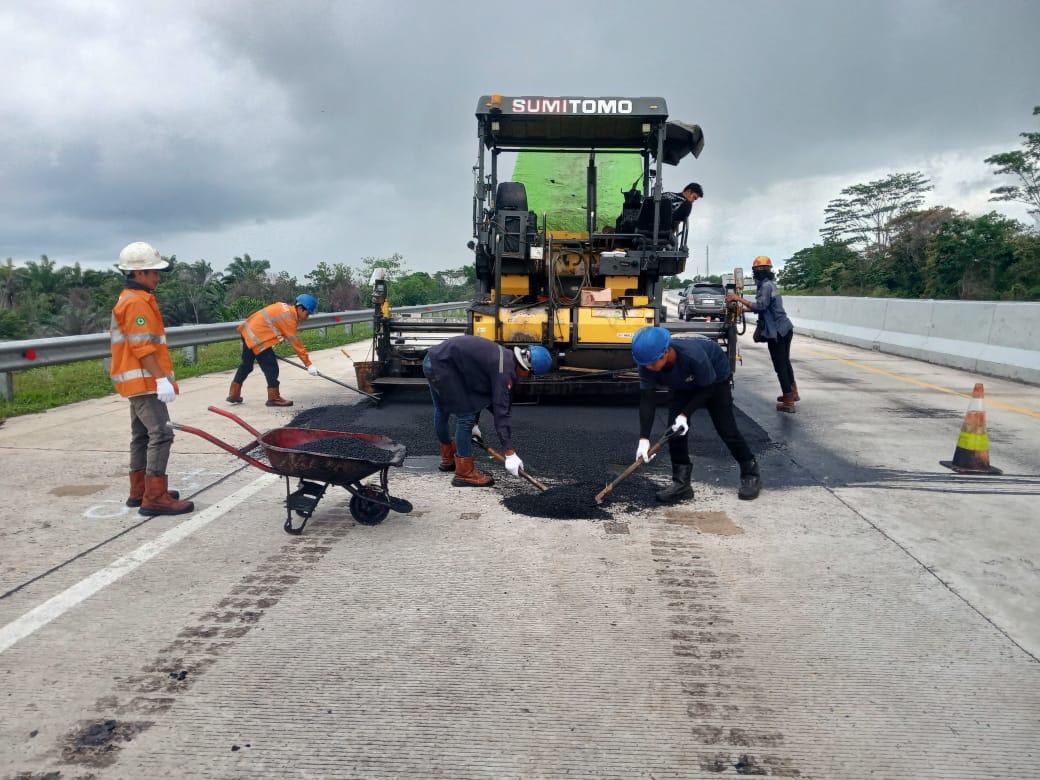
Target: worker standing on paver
775	329
697	374
468	374
261	331
143	372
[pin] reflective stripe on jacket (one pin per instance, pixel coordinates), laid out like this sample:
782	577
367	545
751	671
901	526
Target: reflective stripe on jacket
272	325
137	331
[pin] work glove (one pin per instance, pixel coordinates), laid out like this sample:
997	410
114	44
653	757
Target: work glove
475	433
514	464
165	390
312	370
643	451
680	425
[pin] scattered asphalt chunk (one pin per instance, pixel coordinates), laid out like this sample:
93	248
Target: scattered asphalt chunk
347	447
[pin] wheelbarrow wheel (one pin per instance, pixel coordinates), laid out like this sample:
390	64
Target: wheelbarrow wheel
368	512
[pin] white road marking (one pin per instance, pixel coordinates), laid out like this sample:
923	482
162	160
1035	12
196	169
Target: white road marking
36	618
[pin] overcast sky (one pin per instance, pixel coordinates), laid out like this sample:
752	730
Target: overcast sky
310	131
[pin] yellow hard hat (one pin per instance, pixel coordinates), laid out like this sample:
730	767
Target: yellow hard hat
761	262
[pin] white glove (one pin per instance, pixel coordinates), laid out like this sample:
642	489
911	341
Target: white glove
312	370
165	391
680	425
643	450
475	433
514	464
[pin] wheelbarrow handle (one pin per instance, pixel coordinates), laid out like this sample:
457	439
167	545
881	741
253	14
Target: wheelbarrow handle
496	455
375	398
236	418
634	467
225	446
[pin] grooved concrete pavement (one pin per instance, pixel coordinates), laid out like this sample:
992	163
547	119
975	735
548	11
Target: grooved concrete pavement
868	616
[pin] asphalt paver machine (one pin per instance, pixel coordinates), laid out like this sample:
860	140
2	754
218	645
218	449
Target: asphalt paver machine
564	257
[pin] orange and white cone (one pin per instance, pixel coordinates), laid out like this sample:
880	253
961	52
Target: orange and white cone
972	453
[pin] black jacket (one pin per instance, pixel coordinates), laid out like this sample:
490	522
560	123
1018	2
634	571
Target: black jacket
470	373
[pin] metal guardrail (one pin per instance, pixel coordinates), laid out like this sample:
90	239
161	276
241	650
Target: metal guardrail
34	353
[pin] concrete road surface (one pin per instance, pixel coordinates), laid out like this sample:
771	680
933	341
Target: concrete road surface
870	615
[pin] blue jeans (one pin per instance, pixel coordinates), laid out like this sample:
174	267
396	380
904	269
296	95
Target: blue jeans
464	421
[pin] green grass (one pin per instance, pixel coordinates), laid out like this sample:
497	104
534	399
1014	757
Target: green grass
45	388
555	184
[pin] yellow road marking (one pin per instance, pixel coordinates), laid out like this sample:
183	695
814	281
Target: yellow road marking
991	401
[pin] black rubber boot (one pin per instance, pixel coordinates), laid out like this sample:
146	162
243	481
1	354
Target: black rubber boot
750	481
680	489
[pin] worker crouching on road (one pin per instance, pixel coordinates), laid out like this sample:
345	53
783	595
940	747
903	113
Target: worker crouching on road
143	372
467	374
776	329
696	372
261	331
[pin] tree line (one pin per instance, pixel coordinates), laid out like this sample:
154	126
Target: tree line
41	298
878	239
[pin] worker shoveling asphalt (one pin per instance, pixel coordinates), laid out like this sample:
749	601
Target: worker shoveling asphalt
571	448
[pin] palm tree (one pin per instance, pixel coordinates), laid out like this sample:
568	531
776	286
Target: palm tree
201	288
12	280
245	268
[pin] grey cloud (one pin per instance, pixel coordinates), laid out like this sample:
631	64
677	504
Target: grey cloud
287	125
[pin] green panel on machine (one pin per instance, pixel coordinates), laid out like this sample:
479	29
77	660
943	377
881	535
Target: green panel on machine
555	184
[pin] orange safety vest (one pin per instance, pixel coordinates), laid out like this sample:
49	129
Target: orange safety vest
272	325
137	331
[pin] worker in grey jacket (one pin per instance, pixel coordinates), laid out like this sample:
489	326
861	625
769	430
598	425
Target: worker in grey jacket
776	328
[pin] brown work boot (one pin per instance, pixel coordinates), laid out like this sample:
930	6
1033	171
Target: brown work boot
137	489
794	392
234	395
786	403
466	474
274	398
158	501
447	457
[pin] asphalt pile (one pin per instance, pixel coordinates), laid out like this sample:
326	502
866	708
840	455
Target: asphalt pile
410	424
575	447
347	447
560	502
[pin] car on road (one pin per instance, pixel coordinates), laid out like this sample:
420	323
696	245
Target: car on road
702	300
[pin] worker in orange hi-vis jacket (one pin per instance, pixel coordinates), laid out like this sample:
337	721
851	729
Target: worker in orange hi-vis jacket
261	331
143	372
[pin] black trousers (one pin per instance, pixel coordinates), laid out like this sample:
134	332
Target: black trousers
718	400
780	353
267	361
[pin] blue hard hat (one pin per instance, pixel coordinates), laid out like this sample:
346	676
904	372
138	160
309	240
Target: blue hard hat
649	345
541	361
535	359
309	302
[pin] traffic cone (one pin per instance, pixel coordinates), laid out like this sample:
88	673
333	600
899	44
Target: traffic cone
972	453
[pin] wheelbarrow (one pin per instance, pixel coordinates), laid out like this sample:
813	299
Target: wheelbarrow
369	504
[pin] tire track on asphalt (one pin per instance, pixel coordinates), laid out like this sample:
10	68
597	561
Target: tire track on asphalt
150	692
722	695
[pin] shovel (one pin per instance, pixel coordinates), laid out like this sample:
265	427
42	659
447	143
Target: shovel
375	398
633	468
496	455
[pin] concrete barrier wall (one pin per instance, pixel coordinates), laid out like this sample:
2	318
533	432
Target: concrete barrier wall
987	337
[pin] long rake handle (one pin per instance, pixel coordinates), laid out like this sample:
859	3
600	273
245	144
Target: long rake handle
632	469
329	378
496	455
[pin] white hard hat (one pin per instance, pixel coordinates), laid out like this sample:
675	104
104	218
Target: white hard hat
140	256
